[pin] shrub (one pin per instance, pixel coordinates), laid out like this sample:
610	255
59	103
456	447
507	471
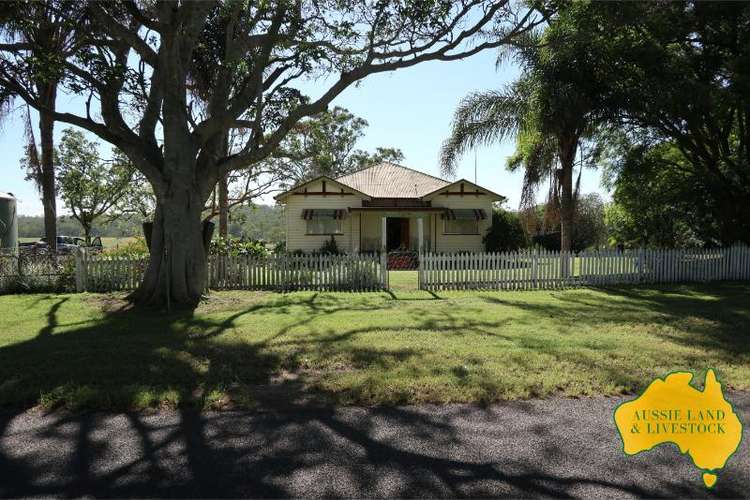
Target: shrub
506	232
330	247
37	273
234	247
135	247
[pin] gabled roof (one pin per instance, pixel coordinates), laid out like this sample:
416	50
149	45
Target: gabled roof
296	188
472	187
388	180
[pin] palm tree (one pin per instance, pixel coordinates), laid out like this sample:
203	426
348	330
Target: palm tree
546	114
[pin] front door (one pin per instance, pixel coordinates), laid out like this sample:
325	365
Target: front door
397	233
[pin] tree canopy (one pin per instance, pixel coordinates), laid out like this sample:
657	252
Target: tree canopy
675	73
326	145
91	186
136	71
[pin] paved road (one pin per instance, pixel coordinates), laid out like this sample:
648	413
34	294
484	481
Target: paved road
559	447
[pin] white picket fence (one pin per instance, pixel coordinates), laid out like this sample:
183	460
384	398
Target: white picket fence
522	270
355	272
101	273
532	269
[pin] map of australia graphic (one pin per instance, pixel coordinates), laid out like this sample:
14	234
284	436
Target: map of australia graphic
702	424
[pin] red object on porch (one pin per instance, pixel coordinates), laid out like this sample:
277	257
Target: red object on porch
403	260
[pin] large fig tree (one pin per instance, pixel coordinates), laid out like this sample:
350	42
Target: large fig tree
133	75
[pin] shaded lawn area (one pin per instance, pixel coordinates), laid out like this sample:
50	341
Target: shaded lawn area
249	348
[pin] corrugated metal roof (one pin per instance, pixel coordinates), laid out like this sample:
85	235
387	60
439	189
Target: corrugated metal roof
388	180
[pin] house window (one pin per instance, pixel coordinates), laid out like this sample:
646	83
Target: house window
462	221
324	225
461	226
322	222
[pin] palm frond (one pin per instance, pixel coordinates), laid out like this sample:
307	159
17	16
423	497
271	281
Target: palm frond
536	154
482	118
523	49
6	104
32	162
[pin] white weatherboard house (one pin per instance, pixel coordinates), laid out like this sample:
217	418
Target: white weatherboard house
387	207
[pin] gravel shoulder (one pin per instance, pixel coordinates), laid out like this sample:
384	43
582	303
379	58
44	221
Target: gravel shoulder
540	448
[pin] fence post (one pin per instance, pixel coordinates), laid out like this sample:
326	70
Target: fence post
641	264
80	258
384	270
420	270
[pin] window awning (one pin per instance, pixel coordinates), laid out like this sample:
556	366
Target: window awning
333	213
464	214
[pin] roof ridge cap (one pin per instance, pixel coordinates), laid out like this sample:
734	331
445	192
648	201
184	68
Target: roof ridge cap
417	171
395	165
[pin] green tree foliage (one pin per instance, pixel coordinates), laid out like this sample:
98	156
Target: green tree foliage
137	62
549	111
31	226
590	230
506	232
675	72
90	186
326	145
236	247
47	36
258	222
656	199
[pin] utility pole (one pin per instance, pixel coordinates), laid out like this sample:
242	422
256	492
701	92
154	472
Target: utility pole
475	166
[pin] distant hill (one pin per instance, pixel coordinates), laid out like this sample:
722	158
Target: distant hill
261	222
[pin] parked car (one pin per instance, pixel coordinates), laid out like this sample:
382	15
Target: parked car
68	244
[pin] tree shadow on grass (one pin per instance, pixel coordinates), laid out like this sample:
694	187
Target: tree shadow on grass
693	327
715	317
323	452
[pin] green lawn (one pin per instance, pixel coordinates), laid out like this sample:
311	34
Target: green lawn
244	348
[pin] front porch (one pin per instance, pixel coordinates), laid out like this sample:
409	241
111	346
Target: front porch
389	230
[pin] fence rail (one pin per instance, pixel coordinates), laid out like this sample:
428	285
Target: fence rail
100	273
298	272
523	270
44	271
529	270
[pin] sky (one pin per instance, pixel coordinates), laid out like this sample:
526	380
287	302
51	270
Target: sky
409	109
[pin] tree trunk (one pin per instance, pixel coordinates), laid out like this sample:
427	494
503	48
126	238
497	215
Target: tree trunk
87	235
46	132
177	271
567	204
223	208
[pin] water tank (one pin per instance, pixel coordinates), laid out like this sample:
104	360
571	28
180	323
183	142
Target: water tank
8	221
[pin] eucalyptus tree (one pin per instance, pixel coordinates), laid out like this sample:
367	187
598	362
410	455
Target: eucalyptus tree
325	144
133	73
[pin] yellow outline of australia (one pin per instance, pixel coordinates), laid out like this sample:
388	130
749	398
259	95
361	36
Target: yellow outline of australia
702	424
